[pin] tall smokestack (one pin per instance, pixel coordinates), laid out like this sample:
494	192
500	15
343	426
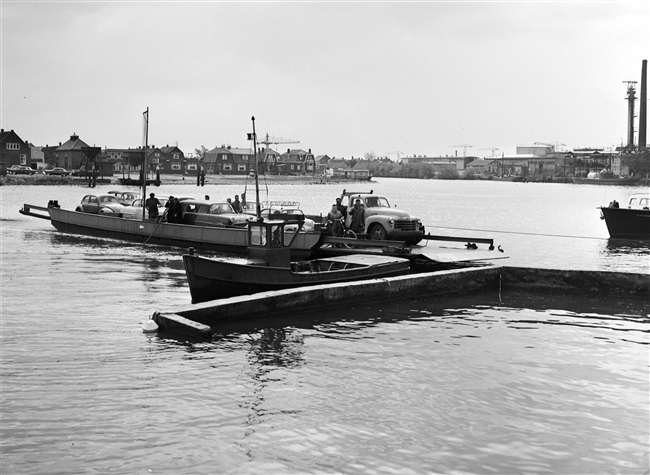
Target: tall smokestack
642	107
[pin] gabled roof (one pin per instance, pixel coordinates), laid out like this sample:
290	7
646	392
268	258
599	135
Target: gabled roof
6	134
75	143
169	149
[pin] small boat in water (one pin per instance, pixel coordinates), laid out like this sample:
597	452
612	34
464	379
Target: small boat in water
632	222
269	266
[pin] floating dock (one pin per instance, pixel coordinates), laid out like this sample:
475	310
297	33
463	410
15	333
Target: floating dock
198	320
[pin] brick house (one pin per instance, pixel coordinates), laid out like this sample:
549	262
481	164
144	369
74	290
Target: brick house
172	160
13	150
296	162
71	155
229	161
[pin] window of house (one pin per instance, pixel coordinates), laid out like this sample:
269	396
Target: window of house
244	158
176	166
227	167
23	159
13	146
191	166
224	157
176	157
241	168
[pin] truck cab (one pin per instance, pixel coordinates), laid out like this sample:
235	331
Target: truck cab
382	221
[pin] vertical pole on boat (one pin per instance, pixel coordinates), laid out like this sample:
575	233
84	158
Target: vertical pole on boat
145	116
257	187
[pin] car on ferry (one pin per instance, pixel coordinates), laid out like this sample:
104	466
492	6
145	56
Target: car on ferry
125	197
206	213
134	209
100	204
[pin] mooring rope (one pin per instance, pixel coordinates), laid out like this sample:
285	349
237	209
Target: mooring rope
518	232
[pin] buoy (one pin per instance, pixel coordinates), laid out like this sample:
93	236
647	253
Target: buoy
149	326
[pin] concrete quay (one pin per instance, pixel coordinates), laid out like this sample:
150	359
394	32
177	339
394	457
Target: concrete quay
197	320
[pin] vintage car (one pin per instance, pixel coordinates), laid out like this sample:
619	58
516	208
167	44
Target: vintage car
58	171
205	213
134	209
382	221
125	197
21	170
100	204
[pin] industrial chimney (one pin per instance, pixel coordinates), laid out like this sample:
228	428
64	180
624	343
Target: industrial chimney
642	106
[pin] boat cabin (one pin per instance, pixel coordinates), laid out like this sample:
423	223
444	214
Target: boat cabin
639	201
269	242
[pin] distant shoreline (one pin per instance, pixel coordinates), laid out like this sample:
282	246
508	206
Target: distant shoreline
38	179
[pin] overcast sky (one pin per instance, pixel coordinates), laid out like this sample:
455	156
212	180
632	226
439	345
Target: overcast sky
342	78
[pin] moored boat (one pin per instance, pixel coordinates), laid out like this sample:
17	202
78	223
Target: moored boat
605	177
631	222
212	238
269	266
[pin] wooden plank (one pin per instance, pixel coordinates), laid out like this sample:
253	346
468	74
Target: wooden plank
175	323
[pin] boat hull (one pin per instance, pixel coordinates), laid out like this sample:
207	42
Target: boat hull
607	181
211	279
625	223
211	238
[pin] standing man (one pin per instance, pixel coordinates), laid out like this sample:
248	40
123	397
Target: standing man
358	213
152	204
341	208
236	205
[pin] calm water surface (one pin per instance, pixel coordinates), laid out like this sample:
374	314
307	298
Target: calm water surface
489	383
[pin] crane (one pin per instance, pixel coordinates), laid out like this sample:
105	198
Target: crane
493	150
465	147
268	140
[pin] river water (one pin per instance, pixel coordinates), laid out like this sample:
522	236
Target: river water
506	383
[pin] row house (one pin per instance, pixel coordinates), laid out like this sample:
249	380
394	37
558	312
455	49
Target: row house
295	162
169	160
14	150
172	160
227	160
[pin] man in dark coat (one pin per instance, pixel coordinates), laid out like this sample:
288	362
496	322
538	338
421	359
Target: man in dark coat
152	204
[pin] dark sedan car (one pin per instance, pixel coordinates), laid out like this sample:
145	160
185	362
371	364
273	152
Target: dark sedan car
100	204
21	170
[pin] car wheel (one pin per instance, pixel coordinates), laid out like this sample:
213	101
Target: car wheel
79	208
377	232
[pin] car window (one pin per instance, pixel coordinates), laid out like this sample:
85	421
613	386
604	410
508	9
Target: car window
93	200
221	208
108	199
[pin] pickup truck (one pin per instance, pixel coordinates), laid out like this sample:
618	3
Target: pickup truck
382	221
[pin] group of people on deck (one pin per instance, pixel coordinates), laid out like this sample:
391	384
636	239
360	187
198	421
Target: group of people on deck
338	214
174	208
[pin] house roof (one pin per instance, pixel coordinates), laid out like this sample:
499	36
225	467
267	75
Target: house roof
5	134
75	143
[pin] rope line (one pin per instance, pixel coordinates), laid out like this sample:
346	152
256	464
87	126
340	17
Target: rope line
518	232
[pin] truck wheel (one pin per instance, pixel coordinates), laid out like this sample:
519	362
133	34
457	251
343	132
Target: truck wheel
377	232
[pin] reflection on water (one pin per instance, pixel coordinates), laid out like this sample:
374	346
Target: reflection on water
498	383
